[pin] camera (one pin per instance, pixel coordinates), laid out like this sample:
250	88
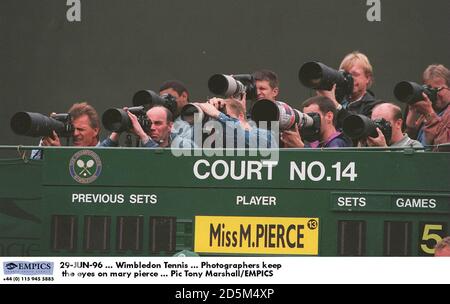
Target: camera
192	113
410	92
149	99
318	76
233	85
40	125
267	110
117	120
359	127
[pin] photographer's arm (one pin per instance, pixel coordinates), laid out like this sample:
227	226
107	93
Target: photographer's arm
341	112
413	121
210	107
111	141
330	94
214	111
426	109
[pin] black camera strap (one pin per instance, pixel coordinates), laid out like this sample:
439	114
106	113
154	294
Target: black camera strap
128	141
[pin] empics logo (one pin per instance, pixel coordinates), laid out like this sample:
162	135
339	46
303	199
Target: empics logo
11	266
85	166
28	268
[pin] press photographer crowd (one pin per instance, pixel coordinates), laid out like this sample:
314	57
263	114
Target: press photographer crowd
246	114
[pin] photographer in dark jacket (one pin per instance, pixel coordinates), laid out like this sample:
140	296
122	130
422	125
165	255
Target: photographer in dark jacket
361	101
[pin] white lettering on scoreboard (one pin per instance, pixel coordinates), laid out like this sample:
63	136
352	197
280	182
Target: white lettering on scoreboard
114	198
314	171
256	200
351	201
424	203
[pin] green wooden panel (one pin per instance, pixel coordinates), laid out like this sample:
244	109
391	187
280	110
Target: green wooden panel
389	186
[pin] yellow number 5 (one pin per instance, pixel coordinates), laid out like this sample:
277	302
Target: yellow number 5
430	236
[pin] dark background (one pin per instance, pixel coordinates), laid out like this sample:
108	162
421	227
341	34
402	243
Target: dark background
119	47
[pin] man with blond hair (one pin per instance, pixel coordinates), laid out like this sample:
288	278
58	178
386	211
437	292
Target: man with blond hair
86	129
361	100
236	125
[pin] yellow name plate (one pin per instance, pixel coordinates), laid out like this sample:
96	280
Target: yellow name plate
257	235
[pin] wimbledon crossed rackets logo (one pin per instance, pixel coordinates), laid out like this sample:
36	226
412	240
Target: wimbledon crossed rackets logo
85	166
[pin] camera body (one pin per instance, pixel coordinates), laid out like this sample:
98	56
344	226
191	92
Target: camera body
410	92
233	86
148	99
359	127
311	133
117	120
40	125
385	128
318	76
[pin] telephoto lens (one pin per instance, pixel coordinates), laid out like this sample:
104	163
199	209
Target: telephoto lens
117	120
233	85
318	76
284	114
360	127
149	99
192	113
410	92
39	125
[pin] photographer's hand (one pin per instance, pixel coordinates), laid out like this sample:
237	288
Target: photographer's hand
330	94
379	141
218	103
52	140
413	119
425	108
209	109
292	139
137	129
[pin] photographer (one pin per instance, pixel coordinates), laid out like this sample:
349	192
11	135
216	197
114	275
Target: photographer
86	129
361	100
267	87
159	133
329	136
429	122
267	84
178	90
236	124
393	115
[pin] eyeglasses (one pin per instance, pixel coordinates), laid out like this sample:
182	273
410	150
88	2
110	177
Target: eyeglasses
441	88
